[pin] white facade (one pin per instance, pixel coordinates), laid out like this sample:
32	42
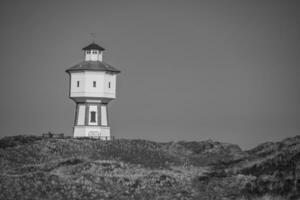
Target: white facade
92	131
93	84
81	115
93	55
104	115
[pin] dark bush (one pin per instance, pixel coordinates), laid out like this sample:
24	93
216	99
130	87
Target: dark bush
73	161
17	140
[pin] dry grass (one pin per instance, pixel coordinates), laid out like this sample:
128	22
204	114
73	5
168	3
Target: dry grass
33	168
265	197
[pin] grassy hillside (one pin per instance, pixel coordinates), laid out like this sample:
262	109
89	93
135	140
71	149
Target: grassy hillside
36	168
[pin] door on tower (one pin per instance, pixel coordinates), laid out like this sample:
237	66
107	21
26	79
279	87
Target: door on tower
93	115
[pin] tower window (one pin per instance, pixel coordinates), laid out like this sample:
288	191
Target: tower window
78	83
88	52
94	52
109	84
94	83
93	116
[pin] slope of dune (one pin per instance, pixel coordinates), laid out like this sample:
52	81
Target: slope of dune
32	167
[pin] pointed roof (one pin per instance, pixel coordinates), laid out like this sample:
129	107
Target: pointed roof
93	66
93	46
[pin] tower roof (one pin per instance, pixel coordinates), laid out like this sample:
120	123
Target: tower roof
93	46
93	66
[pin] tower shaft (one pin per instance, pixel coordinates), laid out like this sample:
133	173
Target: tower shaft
91	120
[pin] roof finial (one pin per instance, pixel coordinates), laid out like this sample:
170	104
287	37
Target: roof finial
93	37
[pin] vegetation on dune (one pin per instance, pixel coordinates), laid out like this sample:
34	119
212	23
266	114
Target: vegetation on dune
17	140
33	167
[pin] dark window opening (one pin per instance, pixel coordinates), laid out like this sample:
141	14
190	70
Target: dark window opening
109	85
94	83
77	83
94	52
88	52
93	116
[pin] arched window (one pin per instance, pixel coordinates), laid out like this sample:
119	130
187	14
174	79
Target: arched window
88	52
93	116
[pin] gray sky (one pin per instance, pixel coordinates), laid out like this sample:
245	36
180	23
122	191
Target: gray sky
191	70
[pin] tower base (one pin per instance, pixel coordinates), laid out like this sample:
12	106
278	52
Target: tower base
101	132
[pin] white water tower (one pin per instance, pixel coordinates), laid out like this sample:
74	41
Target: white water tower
92	87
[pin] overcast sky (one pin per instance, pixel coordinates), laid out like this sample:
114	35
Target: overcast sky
191	70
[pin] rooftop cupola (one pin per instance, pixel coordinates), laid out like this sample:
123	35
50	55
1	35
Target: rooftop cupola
93	52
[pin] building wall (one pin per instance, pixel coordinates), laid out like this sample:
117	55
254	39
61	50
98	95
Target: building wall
92	131
110	84
104	120
91	56
81	115
105	84
74	87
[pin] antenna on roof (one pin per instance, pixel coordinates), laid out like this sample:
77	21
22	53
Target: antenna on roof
93	37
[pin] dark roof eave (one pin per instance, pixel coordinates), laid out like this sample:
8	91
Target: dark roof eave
93	46
110	71
93	66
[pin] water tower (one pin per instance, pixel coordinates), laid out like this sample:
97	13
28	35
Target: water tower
92	87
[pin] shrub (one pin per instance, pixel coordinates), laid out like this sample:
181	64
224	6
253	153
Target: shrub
17	140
